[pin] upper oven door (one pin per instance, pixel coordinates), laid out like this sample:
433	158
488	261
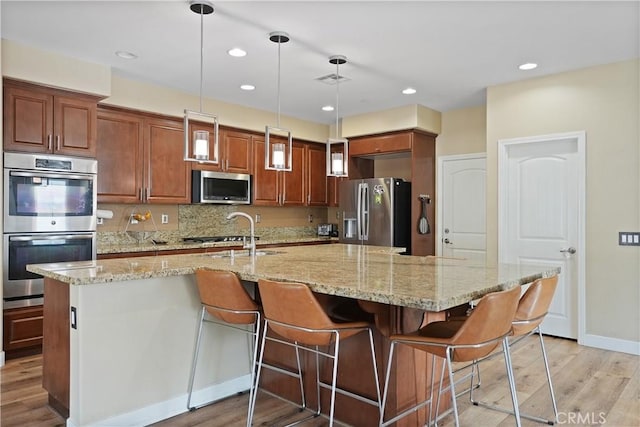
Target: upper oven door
45	201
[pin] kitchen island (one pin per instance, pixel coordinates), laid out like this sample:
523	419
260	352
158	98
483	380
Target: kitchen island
132	327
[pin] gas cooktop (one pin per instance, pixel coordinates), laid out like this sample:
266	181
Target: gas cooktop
207	239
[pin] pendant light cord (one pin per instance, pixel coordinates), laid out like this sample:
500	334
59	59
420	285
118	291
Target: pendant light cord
337	96
278	118
201	49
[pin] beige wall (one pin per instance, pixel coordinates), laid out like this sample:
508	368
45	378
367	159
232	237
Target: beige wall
603	101
464	131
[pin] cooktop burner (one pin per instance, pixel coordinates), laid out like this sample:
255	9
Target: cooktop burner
207	239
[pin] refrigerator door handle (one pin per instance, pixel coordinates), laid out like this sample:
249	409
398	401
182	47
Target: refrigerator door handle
365	212
359	210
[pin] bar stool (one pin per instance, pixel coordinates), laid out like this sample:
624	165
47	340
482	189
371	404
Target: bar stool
462	341
293	313
228	303
532	309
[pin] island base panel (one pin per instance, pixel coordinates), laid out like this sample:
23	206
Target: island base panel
55	345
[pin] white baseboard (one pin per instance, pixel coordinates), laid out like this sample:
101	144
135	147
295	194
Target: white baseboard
172	407
613	344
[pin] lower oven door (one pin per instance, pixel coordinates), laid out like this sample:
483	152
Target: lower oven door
21	287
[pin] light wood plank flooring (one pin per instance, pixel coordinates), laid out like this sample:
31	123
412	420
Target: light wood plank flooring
592	386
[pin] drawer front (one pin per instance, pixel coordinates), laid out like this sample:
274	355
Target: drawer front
22	328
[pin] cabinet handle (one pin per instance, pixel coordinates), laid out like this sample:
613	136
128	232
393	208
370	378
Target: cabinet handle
57	142
308	198
49	140
226	162
140	194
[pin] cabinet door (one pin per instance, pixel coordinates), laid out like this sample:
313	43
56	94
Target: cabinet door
237	151
28	120
316	175
167	177
333	183
266	191
119	154
74	126
293	183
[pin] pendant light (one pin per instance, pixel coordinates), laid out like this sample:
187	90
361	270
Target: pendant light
337	148
201	137
277	153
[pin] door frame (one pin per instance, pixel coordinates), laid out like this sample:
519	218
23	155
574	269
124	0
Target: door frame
440	190
580	137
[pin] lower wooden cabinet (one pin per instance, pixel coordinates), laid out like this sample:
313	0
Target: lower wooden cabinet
22	331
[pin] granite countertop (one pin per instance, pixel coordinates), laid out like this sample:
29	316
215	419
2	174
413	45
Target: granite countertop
370	273
148	246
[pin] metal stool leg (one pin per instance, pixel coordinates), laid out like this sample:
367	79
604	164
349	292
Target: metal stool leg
512	383
252	390
546	368
196	351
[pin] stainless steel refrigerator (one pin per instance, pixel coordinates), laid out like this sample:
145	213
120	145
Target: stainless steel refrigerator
376	211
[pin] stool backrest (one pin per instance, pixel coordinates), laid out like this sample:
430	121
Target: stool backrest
223	290
490	320
294	304
534	305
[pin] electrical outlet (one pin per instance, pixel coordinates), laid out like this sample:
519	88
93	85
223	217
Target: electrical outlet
629	238
310	218
164	218
258	218
99	221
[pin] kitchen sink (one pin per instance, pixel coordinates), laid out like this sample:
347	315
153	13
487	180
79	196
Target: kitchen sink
243	253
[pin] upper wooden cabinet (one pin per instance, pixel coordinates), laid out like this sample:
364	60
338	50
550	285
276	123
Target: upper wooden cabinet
316	157
381	144
43	120
234	150
140	159
278	188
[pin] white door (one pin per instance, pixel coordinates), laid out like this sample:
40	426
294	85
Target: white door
541	205
462	229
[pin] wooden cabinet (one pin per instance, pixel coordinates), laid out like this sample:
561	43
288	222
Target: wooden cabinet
333	186
22	330
381	144
167	177
140	159
119	154
316	158
42	120
278	188
234	150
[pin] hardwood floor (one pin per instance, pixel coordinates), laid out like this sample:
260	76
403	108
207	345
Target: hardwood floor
592	387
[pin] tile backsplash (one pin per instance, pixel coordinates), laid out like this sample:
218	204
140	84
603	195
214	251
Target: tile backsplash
209	220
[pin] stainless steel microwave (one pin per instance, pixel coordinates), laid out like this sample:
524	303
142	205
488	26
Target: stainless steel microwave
220	187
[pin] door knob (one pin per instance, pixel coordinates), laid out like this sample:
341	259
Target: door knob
570	250
447	241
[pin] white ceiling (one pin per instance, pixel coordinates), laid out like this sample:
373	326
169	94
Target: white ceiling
449	51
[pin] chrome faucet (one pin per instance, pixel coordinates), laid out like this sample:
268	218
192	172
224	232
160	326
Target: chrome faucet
252	242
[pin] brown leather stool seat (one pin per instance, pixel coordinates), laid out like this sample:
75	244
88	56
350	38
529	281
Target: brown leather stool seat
295	315
532	309
461	341
229	304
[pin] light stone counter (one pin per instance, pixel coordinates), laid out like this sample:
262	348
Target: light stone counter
362	272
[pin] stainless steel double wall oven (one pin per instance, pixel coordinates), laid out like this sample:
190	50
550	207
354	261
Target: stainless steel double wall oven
49	216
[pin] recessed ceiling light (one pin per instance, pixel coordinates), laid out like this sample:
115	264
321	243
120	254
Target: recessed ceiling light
409	91
327	108
528	66
237	52
126	55
247	87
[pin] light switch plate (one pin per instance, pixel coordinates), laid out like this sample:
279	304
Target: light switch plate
629	238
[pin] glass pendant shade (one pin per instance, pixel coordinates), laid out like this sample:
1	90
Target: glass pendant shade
337	157
278	149
200	145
